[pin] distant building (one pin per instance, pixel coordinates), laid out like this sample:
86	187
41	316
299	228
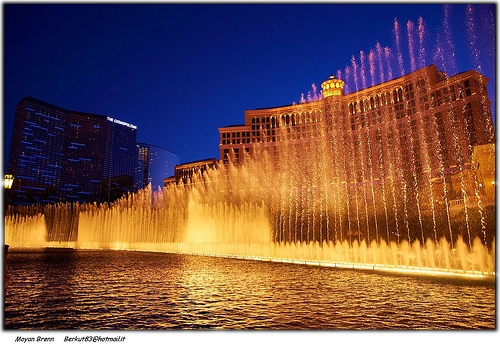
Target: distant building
389	112
184	173
59	155
397	155
154	164
479	179
483	162
423	124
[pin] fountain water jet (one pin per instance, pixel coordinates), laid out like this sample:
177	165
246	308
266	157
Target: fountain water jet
238	225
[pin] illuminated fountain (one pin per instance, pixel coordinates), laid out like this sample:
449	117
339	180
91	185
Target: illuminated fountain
326	202
304	212
233	212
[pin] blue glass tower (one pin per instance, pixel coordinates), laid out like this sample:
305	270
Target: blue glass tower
154	164
66	156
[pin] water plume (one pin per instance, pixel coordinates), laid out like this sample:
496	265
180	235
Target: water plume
411	28
471	32
421	41
397	36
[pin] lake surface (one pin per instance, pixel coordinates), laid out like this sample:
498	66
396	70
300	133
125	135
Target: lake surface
78	289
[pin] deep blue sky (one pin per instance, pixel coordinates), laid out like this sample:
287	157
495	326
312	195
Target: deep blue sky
179	72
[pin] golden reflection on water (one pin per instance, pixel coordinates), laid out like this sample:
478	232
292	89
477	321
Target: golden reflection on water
137	290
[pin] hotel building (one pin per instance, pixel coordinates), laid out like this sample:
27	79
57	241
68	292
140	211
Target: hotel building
422	112
184	173
154	164
59	155
386	153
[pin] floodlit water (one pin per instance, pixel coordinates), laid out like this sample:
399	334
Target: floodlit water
71	289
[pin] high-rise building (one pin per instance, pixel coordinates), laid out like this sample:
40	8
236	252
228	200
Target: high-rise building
434	120
59	155
391	156
154	164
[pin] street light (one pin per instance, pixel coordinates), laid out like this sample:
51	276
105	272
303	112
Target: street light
9	180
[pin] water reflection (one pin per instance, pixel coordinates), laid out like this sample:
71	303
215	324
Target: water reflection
59	289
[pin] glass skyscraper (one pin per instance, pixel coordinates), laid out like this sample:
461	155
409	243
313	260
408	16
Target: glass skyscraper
154	164
59	155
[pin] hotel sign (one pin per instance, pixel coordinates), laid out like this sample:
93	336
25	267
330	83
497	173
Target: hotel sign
114	120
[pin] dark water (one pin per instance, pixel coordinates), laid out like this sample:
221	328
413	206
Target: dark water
67	289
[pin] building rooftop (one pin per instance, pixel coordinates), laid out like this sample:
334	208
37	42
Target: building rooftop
149	144
198	162
269	108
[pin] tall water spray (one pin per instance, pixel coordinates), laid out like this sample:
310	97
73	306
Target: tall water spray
228	212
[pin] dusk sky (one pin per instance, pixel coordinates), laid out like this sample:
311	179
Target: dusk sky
179	72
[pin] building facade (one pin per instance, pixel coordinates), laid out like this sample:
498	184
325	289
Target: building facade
435	121
380	157
59	155
154	164
185	173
